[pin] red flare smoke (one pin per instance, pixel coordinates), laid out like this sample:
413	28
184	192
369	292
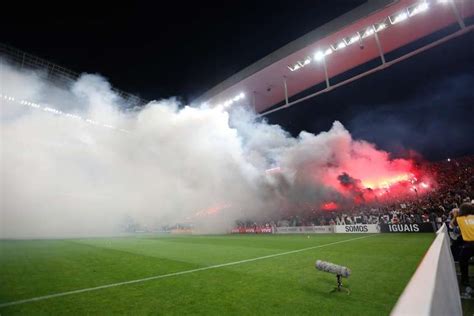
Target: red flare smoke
330	206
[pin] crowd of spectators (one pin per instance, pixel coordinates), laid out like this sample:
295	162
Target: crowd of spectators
450	201
455	185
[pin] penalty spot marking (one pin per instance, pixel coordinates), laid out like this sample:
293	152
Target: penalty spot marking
162	276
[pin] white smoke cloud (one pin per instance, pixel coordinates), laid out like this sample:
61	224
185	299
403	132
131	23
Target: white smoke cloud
62	176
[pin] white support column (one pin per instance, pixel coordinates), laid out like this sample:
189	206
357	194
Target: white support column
285	86
456	13
379	45
326	72
253	100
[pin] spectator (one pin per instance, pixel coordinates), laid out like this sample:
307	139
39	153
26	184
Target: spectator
465	221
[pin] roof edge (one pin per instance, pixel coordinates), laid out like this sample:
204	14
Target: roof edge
300	43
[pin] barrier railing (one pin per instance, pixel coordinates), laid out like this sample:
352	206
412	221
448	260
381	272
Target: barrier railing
433	289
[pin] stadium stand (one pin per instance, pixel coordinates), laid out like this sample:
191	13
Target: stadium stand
455	185
54	72
434	288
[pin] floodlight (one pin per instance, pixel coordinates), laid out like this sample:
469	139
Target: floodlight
338	45
402	16
421	7
352	39
380	26
369	31
319	55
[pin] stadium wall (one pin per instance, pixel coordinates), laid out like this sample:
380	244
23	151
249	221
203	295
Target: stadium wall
358	228
304	230
338	229
433	289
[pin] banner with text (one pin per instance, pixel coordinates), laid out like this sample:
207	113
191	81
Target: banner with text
304	230
252	230
407	228
359	228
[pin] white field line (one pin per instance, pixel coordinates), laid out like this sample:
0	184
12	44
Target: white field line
162	276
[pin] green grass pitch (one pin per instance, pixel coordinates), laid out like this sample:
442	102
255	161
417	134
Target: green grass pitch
280	285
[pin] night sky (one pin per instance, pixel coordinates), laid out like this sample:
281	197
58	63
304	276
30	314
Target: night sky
157	51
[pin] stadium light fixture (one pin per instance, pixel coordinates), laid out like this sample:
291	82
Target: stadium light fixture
368	32
352	39
33	105
418	8
380	26
339	45
294	67
229	102
318	56
399	17
50	109
74	116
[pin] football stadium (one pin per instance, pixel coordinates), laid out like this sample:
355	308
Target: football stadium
332	174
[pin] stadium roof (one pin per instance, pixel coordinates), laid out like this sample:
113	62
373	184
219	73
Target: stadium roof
367	33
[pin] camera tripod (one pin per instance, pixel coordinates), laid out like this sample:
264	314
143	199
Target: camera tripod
339	287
